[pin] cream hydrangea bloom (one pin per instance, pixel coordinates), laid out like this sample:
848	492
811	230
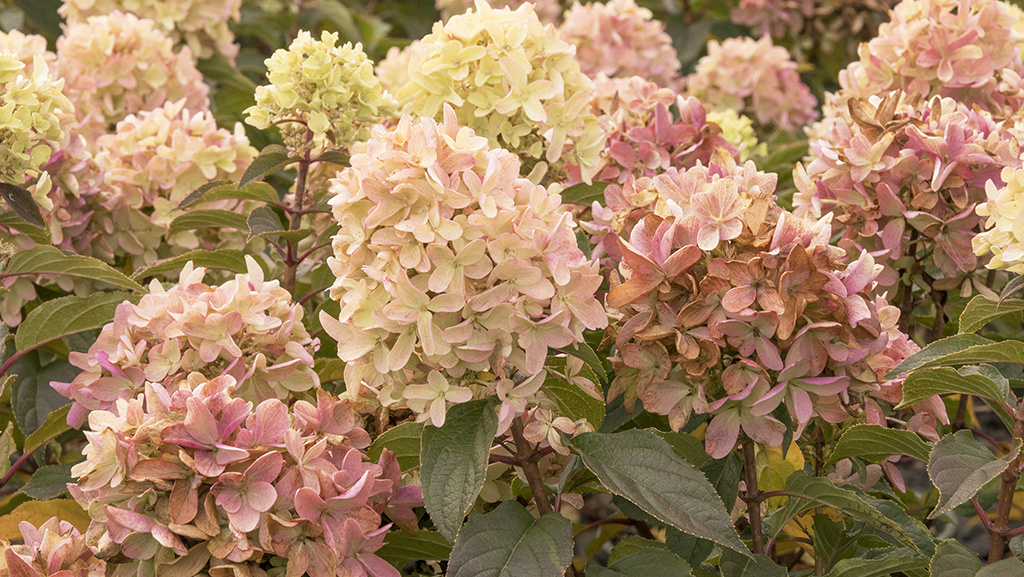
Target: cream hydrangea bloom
30	107
329	89
198	24
119	64
26	47
738	130
511	78
1004	236
549	11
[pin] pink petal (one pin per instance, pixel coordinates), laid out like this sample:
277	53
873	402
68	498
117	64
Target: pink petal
722	432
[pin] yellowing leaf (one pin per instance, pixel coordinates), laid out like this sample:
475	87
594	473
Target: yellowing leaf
38	512
774	469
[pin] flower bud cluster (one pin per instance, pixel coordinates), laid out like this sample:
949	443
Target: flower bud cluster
195	475
902	179
328	90
246	328
55	548
454	275
118	64
1004	228
30	111
620	39
511	78
732	307
755	78
202	26
643	134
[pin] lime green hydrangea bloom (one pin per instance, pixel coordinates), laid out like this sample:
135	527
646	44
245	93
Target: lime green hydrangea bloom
738	130
511	78
328	89
30	110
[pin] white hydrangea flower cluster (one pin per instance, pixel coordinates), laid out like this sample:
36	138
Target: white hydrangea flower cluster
1004	234
30	110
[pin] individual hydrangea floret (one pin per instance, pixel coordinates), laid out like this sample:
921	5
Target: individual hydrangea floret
738	130
1003	235
454	275
26	47
329	90
755	78
246	328
648	129
200	25
118	64
732	307
195	471
54	548
903	177
393	70
511	78
620	39
151	163
548	11
31	108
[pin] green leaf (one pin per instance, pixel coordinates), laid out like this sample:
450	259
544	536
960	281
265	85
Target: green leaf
271	159
258	191
424	546
49	482
20	201
916	530
32	397
7	447
453	462
691	549
1014	286
735	565
404	441
334	157
633	544
587	354
573	402
952	559
585	194
55	424
831	542
643	563
686	446
1006	568
197	194
50	260
806	492
980	311
875	443
724	475
208	218
961	350
263	221
41	235
643	468
64	316
880	566
509	542
960	466
225	258
924	383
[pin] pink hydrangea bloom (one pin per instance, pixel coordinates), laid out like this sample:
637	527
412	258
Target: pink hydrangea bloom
55	548
449	265
247	328
197	471
755	78
118	64
620	39
732	307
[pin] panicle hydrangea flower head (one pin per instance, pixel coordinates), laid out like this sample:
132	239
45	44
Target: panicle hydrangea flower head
620	39
55	548
198	471
1004	227
393	70
246	328
202	26
511	78
26	47
755	78
730	306
329	90
151	163
118	64
902	168
449	265
548	11
949	48
643	135
31	108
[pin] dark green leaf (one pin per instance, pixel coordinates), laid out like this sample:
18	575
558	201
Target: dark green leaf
585	194
643	468
633	544
924	383
724	475
875	443
49	482
20	201
333	157
686	446
980	311
1014	286
643	563
271	159
64	316
403	440
257	191
225	258
40	235
262	221
453	463
1006	568
587	354
880	566
573	402
831	543
55	424
961	350
509	542
32	397
424	546
197	194
209	218
693	550
7	447
960	466
954	560
50	260
736	565
916	530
